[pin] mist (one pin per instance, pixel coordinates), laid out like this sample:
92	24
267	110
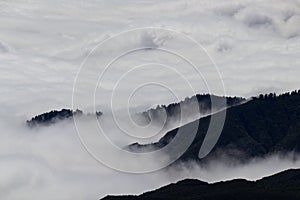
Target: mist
50	162
43	44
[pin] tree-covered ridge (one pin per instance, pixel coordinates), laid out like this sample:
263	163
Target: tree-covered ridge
173	110
281	186
191	107
264	125
54	116
204	101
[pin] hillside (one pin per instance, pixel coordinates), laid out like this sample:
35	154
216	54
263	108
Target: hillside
281	186
266	124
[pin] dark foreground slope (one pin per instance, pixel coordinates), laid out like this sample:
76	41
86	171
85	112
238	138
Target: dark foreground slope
264	125
282	186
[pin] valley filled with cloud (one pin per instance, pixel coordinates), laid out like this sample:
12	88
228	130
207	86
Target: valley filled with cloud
255	46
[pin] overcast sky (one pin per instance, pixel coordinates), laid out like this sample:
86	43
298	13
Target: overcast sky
254	44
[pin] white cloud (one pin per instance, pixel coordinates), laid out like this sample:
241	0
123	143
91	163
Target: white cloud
42	44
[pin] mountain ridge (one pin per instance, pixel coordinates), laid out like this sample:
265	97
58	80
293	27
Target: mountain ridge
281	186
172	110
261	126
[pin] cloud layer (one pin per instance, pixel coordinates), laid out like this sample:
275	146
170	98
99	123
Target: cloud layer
42	44
256	45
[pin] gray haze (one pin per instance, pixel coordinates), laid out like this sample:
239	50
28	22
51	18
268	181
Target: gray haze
43	43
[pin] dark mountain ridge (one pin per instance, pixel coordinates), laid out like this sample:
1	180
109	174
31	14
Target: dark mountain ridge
282	186
172	111
190	108
264	125
54	116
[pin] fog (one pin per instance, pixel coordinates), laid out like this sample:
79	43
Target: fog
43	44
50	162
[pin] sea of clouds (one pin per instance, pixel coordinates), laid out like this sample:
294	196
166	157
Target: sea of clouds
255	44
43	43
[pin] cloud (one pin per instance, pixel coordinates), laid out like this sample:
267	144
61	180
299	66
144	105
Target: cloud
48	41
43	43
50	162
253	170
